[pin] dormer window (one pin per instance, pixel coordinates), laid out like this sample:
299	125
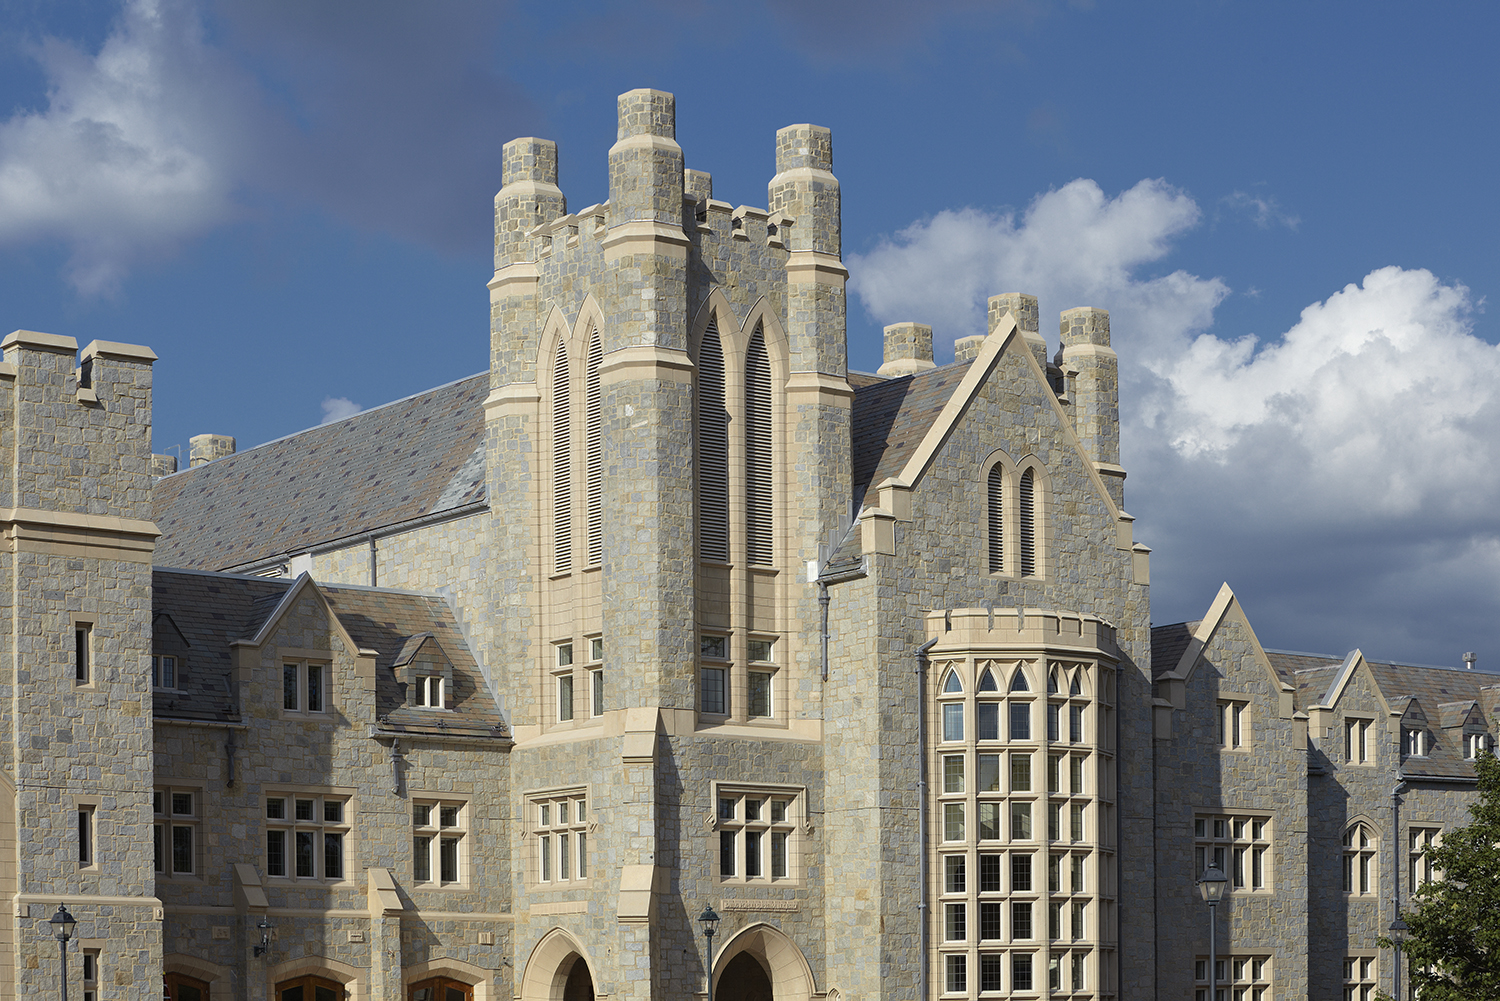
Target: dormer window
164	672
429	691
1475	744
1414	742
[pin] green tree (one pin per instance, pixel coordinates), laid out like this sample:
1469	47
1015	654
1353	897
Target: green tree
1455	924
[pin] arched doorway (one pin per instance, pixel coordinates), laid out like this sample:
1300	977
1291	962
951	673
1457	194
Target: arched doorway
579	985
181	988
440	989
744	979
309	989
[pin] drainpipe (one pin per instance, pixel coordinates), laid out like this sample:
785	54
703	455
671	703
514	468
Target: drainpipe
823	581
823	612
229	757
922	803
1396	872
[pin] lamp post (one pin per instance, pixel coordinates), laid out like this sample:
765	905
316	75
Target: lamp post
710	922
62	929
1398	931
265	936
1212	888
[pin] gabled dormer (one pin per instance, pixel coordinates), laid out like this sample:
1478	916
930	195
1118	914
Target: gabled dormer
1417	737
425	672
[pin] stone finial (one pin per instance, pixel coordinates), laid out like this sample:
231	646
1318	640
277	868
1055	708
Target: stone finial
163	465
529	159
908	349
647	112
205	448
804	146
699	186
1085	325
966	349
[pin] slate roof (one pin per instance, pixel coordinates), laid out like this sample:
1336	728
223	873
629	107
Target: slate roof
419	456
892	416
1167	644
210	611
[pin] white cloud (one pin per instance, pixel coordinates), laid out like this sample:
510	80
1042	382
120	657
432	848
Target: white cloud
131	154
336	408
1265	211
1342	476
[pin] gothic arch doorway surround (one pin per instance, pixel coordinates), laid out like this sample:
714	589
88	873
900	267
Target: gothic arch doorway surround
558	970
777	956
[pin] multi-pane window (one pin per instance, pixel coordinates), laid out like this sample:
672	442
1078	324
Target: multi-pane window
306	834
1232	725
164	672
1414	742
560	826
1237	978
1357	749
83	653
304	687
1422	839
757	831
174	830
1359	860
596	676
439	846
90	964
1361	978
428	691
713	652
1475	744
1238	846
762	676
562	679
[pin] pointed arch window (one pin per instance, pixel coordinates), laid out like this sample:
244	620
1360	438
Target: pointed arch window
593	425
987	682
1052	688
759	436
1076	688
952	685
713	449
1027	513
562	470
1018	682
996	492
1359	860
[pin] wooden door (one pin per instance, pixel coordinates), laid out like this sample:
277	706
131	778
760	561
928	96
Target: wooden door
309	989
181	988
440	989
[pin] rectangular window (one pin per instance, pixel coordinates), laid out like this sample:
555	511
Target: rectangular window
989	921
955	922
83	652
989	972
1231	732
1361	978
763	651
987	721
953	821
1421	868
1078	963
989	821
758	832
1079	907
1054	731
714	647
429	691
957	974
1357	741
313	835
1075	821
1020	821
314	688
439	840
564	655
1075	774
596	688
163	672
953	773
1075	724
760	694
304	687
989	874
559	825
953	721
1239	847
1020	971
90	965
1054	821
1020	873
1020	721
85	836
175	833
1415	742
1020	919
1075	873
1054	921
1474	745
1054	773
989	773
1020	772
715	699
1054	873
564	697
289	699
954	868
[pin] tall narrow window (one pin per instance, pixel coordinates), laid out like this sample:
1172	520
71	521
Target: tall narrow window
562	468
997	520
1028	524
85	836
593	422
713	450
759	436
83	642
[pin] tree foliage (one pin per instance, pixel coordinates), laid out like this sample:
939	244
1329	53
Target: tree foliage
1453	948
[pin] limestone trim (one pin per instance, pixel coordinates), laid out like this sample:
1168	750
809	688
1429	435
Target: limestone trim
1224	604
814	267
65	533
476	977
547	968
86	900
115	349
519	278
645	237
646	361
217	977
288	600
37	339
317	966
791	974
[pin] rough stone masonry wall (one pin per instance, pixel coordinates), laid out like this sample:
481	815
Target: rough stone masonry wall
281	752
1267	777
940	563
70	744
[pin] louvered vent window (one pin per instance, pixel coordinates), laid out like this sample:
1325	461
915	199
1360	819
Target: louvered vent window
713	450
758	450
562	473
594	448
1028	524
997	521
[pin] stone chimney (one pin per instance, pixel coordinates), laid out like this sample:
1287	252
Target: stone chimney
163	465
966	349
908	349
205	448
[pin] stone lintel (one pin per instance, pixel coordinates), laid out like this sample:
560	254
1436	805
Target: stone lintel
516	396
61	533
646	362
834	387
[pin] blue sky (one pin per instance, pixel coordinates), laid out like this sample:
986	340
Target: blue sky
1289	209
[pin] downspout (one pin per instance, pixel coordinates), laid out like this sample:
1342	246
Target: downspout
1396	872
823	612
823	583
922	804
229	757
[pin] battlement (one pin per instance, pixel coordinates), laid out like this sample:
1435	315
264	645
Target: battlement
1008	628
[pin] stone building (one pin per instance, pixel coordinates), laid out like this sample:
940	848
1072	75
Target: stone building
490	692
